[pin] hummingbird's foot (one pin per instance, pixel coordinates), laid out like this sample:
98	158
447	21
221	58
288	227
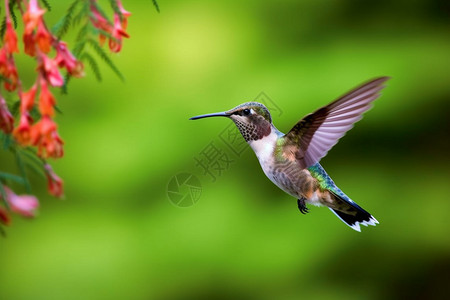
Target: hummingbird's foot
302	205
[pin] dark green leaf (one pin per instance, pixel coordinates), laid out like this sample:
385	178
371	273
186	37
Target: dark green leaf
63	25
35	113
100	10
115	7
83	13
33	162
35	169
16	108
3	28
12	13
67	78
3	194
79	47
2	231
22	171
82	35
93	64
7	141
105	33
5	79
12	177
155	4
30	153
46	4
100	52
58	110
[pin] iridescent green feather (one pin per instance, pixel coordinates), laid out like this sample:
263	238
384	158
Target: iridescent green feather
319	173
325	181
279	148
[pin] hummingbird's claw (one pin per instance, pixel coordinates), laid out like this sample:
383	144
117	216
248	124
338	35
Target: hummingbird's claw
302	206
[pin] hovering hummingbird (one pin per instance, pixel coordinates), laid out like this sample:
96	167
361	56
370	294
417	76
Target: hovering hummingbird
291	160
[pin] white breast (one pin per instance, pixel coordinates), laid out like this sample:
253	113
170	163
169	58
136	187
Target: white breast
264	147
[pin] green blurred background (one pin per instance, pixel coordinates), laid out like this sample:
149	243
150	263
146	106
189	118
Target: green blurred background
117	235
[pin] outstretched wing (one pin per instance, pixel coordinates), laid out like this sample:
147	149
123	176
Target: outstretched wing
313	136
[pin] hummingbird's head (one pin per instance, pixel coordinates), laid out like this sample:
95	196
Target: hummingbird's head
251	118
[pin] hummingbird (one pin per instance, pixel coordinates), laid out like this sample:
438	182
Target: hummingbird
291	160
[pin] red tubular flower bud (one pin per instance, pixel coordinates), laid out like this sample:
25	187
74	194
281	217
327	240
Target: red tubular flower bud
27	99
29	42
54	145
10	38
25	205
45	137
4	217
50	71
32	16
43	38
55	184
115	43
3	61
99	21
12	75
125	14
64	58
8	69
6	119
22	133
46	100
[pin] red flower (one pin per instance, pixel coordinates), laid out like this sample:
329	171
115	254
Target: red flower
46	100
32	17
43	38
10	38
100	22
125	14
53	145
4	217
8	70
45	136
22	133
50	70
115	43
29	42
13	78
116	30
64	58
24	205
3	61
55	184
101	39
6	119
27	99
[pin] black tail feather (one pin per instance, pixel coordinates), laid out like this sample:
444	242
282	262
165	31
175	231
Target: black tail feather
361	217
351	213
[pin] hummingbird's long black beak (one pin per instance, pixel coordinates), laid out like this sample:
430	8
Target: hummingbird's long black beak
219	114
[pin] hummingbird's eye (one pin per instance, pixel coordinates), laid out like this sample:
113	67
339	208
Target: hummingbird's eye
246	112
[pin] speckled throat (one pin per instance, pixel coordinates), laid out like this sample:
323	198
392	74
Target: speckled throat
253	128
